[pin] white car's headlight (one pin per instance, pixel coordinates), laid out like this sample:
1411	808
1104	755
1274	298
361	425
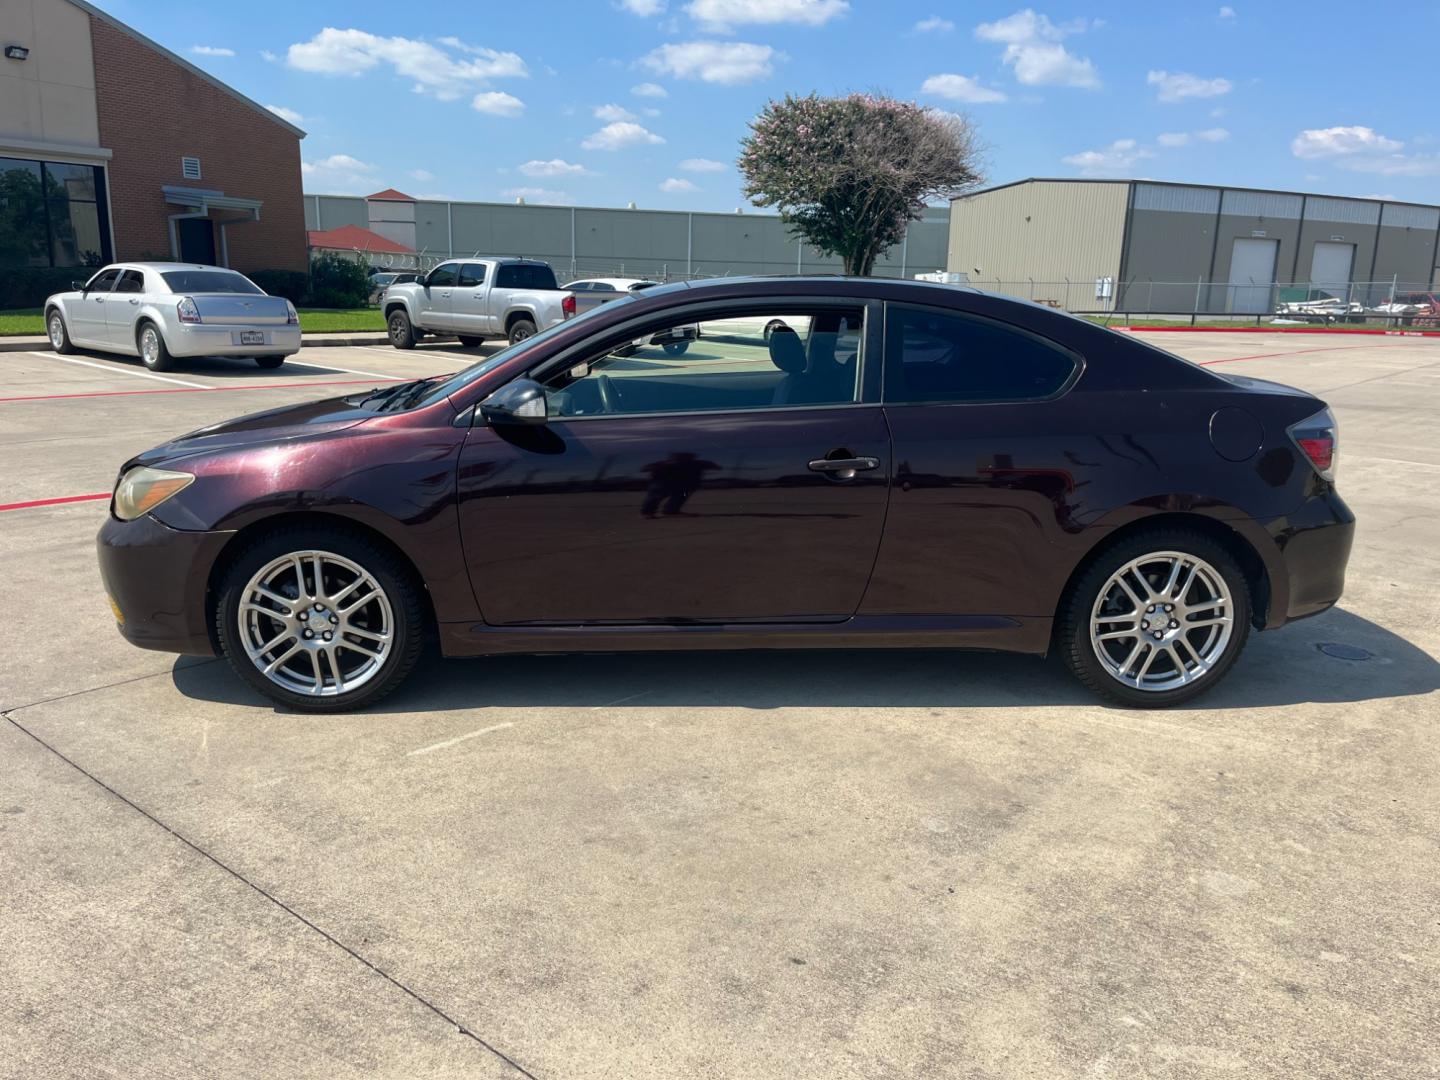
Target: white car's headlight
142	489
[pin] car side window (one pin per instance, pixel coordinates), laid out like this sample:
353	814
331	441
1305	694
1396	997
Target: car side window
471	275
932	356
103	282
131	281
443	276
773	359
525	276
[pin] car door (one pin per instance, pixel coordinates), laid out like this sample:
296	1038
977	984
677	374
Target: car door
743	481
439	296
469	307
122	307
87	315
994	463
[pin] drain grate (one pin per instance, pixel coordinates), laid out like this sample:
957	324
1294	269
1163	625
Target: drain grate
1344	652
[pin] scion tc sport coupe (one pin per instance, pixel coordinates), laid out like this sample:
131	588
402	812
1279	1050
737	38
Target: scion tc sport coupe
832	462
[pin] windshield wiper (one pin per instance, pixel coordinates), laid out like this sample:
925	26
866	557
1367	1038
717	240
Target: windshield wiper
414	391
382	394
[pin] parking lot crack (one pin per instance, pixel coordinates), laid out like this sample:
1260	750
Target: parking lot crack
272	898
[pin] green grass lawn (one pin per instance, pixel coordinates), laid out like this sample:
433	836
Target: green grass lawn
328	320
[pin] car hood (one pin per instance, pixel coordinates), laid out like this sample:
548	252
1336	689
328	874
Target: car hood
285	424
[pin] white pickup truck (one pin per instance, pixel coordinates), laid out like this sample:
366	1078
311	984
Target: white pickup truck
475	299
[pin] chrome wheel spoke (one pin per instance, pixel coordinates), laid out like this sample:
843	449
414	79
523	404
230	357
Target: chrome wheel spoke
274	665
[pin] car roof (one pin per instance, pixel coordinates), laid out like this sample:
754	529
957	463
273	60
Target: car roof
614	282
162	267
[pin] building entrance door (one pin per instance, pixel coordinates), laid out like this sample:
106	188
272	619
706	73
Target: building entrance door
1330	268
197	240
1252	270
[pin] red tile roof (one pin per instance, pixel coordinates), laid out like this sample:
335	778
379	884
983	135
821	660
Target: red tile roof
354	238
390	195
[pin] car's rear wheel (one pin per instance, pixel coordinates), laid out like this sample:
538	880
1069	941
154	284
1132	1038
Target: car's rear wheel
58	334
320	620
269	363
676	348
1157	619
402	334
153	353
470	342
521	329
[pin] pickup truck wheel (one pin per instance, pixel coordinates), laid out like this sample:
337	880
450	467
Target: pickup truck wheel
521	329
402	334
469	342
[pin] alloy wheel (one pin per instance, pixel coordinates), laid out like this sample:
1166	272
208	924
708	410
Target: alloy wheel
1162	621
57	332
316	623
149	345
397	328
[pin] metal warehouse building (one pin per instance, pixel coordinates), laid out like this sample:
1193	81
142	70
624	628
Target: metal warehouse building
589	241
1133	245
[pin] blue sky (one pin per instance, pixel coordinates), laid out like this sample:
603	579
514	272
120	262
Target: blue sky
603	102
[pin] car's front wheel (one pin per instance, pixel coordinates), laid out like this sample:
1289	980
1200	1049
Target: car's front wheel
320	620
402	333
1157	619
58	334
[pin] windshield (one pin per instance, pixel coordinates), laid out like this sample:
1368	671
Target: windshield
462	379
209	281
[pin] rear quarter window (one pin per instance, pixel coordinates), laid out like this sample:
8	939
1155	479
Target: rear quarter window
525	276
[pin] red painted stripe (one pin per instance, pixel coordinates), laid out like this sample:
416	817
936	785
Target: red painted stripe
53	502
1270	330
1293	352
193	390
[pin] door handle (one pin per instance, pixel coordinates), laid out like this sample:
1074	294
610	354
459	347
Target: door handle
135	301
99	299
844	468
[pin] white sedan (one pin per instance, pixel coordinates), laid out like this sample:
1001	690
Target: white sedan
590	292
160	311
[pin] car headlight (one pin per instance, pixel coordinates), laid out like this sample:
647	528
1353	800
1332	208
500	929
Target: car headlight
142	489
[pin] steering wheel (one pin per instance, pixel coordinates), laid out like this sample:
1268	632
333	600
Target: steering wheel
609	399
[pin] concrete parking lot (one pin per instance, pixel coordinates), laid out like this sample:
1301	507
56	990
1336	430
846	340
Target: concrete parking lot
869	864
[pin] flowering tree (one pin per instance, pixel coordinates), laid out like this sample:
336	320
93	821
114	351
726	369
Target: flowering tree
850	173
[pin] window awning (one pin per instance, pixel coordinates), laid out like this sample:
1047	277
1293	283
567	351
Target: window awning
202	201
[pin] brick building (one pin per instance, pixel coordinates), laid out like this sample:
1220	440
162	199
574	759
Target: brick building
112	147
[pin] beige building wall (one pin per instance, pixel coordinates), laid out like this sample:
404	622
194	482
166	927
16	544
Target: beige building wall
48	99
1003	238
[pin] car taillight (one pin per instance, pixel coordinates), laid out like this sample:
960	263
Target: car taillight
568	304
1318	438
187	310
292	317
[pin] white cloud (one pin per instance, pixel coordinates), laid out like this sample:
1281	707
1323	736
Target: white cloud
725	62
338	174
1180	86
1033	49
289	115
423	175
211	50
643	8
1342	141
649	89
934	25
620	136
611	113
553	167
1226	11
723	14
1215	134
700	164
445	74
964	88
497	103
539	195
1173	138
676	184
1184	138
1120	156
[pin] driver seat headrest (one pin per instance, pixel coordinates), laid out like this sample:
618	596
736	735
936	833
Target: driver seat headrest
787	351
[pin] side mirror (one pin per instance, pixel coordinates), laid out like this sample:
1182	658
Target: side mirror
519	402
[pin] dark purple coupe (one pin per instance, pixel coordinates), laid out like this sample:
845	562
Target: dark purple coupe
830	462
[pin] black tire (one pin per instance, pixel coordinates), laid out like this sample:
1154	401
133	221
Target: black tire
154	356
269	363
468	342
521	329
394	577
402	333
772	326
676	348
58	332
1072	634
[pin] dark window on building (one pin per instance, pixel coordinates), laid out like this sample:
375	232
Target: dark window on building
471	275
525	276
954	358
52	214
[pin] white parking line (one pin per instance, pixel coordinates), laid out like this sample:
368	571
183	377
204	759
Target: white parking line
348	371
118	370
459	739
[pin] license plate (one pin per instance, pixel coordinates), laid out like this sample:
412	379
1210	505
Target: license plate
252	337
